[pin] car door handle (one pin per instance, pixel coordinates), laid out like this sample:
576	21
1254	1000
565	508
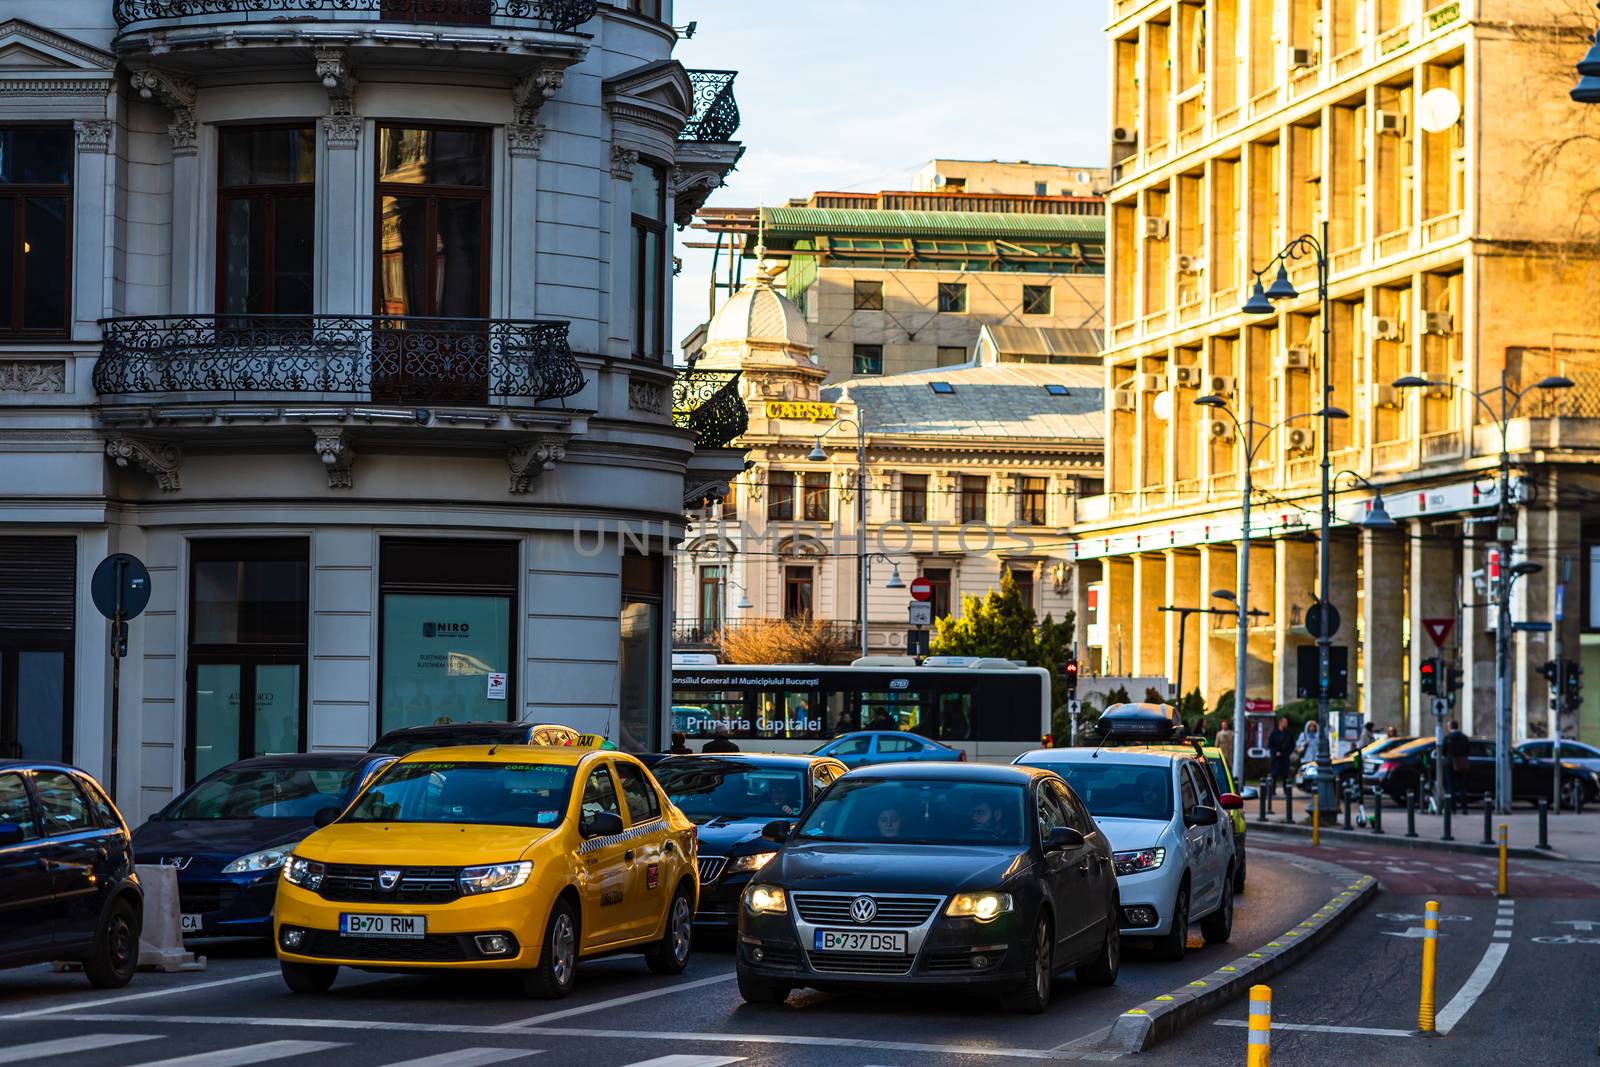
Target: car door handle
628	856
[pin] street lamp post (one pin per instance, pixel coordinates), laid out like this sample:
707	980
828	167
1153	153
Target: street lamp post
818	455
1501	570
1376	518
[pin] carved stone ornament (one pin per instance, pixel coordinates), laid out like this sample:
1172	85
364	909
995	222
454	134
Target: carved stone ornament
648	397
185	132
172	91
338	455
342	131
33	376
528	461
333	71
757	483
159	459
696	493
523	139
682	180
94	135
847	485
622	162
531	91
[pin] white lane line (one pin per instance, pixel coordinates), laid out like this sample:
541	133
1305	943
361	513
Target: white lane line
688	1061
188	987
469	1057
237	1057
1318	1028
615	1002
38	1050
1503	921
1477	982
1502	933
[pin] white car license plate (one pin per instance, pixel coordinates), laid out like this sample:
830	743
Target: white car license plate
190	924
412	926
890	942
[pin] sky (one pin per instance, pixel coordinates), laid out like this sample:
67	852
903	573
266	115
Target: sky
858	94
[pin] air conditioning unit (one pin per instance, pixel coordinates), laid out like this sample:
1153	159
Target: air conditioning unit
1191	264
1124	400
1183	377
1438	322
1385	395
1220	430
1390	122
1222	385
1155	228
1297	357
1124	135
1299	438
1387	328
1150	383
1302	57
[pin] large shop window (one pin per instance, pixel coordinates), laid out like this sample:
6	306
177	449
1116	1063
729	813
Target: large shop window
35	231
249	614
649	242
639	668
266	220
449	632
37	579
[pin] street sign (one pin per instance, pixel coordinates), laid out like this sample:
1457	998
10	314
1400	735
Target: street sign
1532	627
921	613
1441	706
1438	630
120	582
1257	704
921	589
1074	707
1322	619
916	642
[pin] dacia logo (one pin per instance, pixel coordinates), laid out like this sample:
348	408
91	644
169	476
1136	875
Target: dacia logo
387	880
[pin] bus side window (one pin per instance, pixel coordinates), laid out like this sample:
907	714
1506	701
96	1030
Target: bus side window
955	717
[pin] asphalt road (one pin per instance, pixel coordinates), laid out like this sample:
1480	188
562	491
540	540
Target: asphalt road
238	1012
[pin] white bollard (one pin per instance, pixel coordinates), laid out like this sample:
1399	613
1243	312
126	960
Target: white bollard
161	938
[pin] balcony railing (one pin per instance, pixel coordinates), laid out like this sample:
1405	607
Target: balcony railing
708	402
1442	446
373	358
705	633
557	15
716	112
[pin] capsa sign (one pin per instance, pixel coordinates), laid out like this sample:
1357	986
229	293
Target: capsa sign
799	409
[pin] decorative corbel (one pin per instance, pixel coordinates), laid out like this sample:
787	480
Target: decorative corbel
1061	578
622	162
847	484
528	461
757	483
159	459
531	91
342	126
338	454
523	139
177	95
93	135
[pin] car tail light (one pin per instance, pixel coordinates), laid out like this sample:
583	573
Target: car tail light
1387	767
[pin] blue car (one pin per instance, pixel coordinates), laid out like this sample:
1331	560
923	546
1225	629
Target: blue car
886	746
228	834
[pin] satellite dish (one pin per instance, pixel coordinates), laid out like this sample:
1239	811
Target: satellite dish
1438	110
938	181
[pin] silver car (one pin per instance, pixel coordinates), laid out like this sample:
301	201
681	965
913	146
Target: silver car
1172	840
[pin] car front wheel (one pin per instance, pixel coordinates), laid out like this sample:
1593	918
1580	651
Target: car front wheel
1033	996
756	990
308	977
1218	926
558	956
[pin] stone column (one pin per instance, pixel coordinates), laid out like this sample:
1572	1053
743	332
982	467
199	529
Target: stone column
1183	590
1263	647
1117	612
623	313
1295	590
1547	533
1476	707
342	200
1218	570
1084	573
1149	638
90	202
1344	563
1432	596
1383	574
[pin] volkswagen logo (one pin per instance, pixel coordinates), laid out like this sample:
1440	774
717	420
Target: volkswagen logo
863	909
387	880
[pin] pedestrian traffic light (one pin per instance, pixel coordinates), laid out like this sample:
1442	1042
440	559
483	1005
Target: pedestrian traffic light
1453	678
1429	670
1572	696
1069	674
1552	672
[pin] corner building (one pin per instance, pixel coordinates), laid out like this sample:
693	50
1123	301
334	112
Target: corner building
1410	128
349	321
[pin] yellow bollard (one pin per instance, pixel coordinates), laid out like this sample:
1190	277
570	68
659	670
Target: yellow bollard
1260	1054
1504	888
1316	821
1430	956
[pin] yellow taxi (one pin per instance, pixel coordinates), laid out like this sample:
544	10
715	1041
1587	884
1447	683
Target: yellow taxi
501	857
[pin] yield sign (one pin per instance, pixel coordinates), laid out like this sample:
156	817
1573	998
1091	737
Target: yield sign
1438	629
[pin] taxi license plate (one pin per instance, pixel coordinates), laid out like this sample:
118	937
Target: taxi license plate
889	943
409	926
191	924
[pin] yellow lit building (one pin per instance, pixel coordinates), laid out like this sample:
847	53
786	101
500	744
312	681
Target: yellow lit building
1423	134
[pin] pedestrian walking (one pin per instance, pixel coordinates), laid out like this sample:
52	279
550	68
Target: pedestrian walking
1306	747
1280	746
1225	743
1369	734
1457	762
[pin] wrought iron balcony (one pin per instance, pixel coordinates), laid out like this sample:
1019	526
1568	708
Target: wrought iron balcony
708	402
386	359
716	112
557	15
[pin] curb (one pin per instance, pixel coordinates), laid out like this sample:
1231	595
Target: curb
1154	1021
1400	840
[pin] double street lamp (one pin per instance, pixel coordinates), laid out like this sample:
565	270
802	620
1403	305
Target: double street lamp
863	558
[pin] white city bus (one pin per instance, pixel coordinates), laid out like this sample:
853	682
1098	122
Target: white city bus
992	709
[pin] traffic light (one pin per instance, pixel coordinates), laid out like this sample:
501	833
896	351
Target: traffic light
1573	695
1429	670
1069	674
1453	677
1552	673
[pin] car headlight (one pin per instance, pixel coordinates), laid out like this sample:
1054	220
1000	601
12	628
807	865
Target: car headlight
307	874
1144	859
753	862
980	906
766	900
495	877
268	859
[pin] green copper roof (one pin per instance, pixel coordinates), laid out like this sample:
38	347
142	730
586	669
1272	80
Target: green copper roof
794	222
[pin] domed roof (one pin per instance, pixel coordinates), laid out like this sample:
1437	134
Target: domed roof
759	315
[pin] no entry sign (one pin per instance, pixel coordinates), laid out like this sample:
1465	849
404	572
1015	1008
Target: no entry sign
921	589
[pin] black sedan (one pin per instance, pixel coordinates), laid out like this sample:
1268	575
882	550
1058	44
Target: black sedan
990	879
731	798
229	833
1411	767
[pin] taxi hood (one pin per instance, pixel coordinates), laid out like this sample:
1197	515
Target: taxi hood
413	844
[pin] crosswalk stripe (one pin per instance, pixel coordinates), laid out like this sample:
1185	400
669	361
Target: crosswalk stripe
237	1057
38	1050
683	1060
469	1057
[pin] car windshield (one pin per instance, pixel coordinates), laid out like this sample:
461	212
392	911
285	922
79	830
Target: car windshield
1120	790
918	812
266	793
708	790
497	794
405	744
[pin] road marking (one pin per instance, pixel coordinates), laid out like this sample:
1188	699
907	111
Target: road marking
1318	1028
38	1050
1504	920
186	988
614	1002
469	1057
237	1057
1502	933
1477	982
688	1061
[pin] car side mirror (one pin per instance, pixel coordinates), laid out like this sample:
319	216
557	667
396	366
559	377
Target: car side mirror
601	824
1231	801
777	830
1250	792
11	834
1062	838
1201	815
324	817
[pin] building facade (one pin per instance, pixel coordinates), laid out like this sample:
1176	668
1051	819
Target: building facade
1412	133
969	471
351	326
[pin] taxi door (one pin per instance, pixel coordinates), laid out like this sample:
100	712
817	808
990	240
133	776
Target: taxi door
605	856
653	874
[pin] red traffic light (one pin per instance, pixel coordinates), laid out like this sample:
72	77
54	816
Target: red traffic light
1070	668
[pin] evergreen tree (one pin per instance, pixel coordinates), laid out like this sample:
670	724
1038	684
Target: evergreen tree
998	625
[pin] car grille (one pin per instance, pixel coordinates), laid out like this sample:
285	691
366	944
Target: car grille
711	867
859	963
892	910
417	885
434	948
207	898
